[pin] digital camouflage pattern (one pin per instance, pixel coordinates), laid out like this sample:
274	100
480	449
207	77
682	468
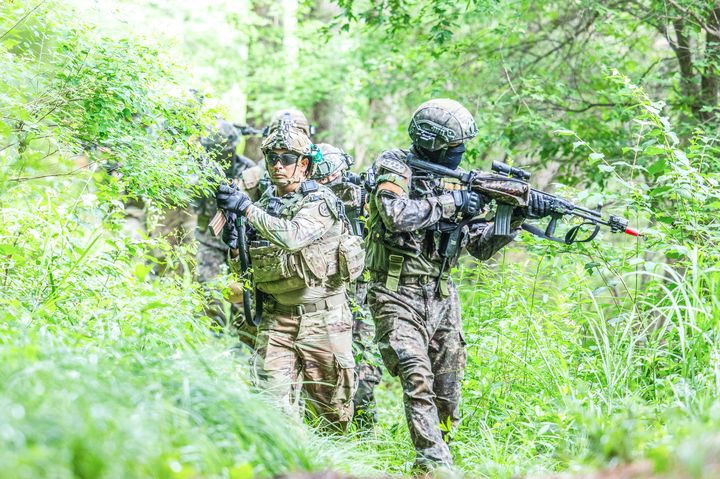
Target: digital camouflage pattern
305	338
419	330
420	340
440	122
367	358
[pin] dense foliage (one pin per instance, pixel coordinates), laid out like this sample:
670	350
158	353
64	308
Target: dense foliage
579	356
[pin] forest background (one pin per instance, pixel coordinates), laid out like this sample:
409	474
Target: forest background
580	356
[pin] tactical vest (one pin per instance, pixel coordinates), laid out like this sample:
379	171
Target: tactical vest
397	255
334	258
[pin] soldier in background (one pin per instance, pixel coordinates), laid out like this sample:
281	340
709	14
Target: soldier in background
333	172
211	258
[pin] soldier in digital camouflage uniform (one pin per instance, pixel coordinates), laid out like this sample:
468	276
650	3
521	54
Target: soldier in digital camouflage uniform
212	253
332	172
302	265
416	308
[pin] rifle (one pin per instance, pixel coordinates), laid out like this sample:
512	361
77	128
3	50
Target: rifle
509	188
217	224
247	130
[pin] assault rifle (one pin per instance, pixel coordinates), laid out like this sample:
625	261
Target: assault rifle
509	187
247	130
216	224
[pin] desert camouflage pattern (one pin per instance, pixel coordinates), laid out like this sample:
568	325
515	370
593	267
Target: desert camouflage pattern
418	324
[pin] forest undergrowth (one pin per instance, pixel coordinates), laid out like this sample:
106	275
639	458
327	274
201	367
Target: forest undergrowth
579	356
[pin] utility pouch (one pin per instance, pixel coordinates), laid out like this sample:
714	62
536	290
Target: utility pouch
320	260
394	270
351	257
274	269
443	280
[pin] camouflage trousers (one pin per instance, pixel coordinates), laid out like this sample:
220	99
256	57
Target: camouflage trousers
367	365
308	353
419	335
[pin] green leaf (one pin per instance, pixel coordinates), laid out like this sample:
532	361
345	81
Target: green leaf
660	190
657	167
655	150
564	132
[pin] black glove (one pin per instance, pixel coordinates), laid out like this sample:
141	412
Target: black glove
539	206
468	203
230	235
232	200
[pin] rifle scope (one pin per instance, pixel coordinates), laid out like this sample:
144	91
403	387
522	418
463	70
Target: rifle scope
507	170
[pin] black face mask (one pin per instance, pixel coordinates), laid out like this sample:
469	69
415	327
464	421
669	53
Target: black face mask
449	157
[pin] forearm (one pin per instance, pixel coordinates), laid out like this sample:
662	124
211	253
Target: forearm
483	242
287	234
401	214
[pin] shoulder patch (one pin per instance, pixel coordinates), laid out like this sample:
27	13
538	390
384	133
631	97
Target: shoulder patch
394	166
324	210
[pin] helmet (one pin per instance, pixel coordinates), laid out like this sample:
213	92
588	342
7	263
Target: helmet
221	141
438	123
290	117
288	138
333	159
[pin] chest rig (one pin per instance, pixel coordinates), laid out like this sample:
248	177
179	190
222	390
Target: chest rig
326	261
419	255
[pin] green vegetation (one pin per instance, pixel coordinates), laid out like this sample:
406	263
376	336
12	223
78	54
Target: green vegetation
579	356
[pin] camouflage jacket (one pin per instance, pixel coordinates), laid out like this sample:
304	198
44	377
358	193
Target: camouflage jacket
404	214
301	230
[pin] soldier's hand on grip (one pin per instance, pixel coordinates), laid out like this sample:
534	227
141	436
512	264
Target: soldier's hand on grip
468	203
539	205
232	199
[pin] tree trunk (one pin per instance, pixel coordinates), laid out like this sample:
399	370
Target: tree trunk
709	81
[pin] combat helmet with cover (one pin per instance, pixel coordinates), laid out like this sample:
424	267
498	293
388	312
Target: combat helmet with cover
440	123
294	140
334	159
291	117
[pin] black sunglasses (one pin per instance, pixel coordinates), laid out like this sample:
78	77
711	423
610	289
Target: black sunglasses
285	158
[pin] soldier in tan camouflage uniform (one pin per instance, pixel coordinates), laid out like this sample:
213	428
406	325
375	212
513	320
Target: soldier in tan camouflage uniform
413	302
332	172
301	266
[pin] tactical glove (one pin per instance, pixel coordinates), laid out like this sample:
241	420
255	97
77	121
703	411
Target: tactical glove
539	205
230	235
468	203
232	200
